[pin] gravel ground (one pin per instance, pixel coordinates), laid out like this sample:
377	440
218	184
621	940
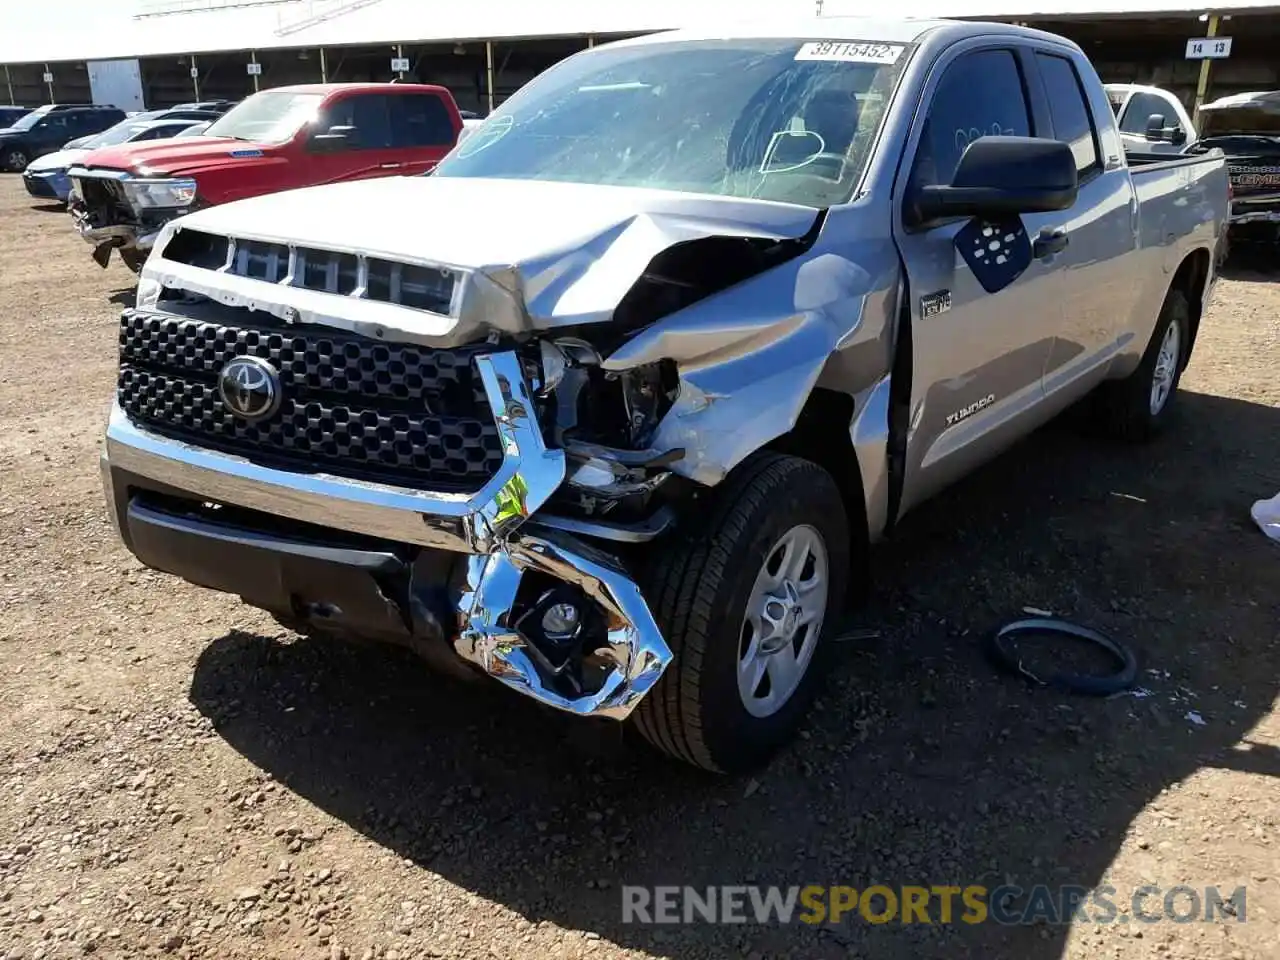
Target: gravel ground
180	777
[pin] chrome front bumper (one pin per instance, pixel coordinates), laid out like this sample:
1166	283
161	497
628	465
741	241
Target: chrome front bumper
489	525
117	235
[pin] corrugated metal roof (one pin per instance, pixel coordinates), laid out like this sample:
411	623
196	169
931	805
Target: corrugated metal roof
106	30
1035	9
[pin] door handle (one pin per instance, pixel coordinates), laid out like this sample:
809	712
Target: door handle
1049	242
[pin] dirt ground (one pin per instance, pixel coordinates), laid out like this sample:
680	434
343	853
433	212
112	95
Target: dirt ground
178	776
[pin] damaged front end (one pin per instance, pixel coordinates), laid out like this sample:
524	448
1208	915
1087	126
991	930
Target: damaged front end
534	607
337	438
116	210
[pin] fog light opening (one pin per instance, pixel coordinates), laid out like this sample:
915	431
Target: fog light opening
560	622
563	627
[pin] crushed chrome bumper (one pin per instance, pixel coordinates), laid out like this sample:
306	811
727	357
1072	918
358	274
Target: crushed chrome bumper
127	236
495	527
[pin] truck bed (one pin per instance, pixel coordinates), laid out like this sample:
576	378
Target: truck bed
1178	199
1141	162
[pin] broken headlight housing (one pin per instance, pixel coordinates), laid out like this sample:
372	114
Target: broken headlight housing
611	408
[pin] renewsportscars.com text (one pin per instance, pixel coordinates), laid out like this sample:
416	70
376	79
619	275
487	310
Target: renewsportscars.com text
938	904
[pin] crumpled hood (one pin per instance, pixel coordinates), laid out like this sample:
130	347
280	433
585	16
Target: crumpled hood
533	254
177	156
59	160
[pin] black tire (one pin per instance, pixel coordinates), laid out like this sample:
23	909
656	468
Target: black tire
133	259
16	159
1125	406
698	590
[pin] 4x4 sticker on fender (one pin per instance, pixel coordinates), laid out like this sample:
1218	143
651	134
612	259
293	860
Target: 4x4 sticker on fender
971	409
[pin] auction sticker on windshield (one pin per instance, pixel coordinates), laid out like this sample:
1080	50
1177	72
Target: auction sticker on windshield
850	51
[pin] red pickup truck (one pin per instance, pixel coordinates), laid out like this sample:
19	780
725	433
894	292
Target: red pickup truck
275	140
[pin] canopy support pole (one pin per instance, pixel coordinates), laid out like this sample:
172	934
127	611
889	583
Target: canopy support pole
1202	87
488	57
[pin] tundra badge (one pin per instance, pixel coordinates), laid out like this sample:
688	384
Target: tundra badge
971	409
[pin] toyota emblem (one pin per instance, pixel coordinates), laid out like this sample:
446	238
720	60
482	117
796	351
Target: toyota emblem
250	388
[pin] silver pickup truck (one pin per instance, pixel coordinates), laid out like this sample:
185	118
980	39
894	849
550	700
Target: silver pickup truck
612	407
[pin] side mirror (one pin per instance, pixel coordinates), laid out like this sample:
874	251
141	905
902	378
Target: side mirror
333	139
1004	176
1158	132
1155	127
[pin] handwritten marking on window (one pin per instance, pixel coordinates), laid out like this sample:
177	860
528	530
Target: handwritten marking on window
965	137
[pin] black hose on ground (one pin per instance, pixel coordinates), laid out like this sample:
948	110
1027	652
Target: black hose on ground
1000	650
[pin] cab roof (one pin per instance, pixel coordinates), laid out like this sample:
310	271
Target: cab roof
870	29
328	88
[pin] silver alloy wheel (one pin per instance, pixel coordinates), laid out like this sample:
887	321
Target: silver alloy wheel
17	160
783	621
1166	368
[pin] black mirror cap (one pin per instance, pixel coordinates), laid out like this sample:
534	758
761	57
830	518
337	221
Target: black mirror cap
1005	176
1158	132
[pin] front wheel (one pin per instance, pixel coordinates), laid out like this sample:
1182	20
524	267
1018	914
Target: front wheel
16	159
742	600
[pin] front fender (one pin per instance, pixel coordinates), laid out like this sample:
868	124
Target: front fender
749	358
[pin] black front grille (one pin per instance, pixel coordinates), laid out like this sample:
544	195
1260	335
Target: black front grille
355	407
97	190
103	202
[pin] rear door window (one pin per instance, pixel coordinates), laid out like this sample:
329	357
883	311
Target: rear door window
420	120
1069	110
981	94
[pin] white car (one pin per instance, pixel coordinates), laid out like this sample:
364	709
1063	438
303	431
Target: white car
1135	105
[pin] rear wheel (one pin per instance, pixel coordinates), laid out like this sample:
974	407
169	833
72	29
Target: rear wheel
1137	407
743	600
16	159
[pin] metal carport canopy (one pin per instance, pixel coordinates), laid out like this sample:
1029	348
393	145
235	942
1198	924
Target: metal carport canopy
103	30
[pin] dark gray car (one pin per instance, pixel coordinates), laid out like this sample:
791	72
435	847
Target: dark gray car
47	128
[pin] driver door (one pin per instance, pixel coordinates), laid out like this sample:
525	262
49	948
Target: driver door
365	149
978	356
